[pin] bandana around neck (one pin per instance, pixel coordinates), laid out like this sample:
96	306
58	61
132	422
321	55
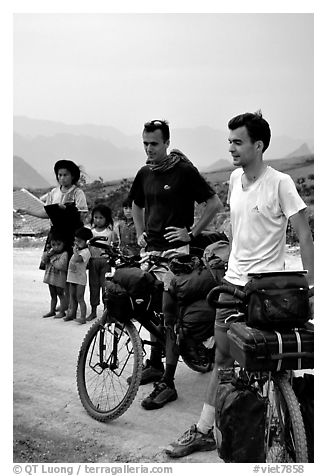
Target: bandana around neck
169	162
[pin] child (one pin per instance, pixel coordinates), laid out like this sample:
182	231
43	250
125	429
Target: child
102	225
56	263
126	232
77	275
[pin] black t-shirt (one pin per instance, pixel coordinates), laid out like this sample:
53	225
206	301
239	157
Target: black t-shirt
168	199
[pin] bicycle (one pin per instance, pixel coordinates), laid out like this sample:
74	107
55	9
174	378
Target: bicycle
285	436
109	365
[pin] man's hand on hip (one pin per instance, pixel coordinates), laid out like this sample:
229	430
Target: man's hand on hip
177	234
141	240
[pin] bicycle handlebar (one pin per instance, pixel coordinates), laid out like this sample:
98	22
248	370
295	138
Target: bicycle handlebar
112	251
213	297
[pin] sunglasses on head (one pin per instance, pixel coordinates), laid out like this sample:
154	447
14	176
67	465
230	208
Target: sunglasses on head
156	122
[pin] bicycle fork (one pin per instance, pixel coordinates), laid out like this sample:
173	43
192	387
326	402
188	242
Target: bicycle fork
102	361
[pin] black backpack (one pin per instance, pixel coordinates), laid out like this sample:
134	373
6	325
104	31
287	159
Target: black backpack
240	423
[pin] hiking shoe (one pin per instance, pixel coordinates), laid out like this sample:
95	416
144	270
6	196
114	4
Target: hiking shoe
161	395
190	441
149	373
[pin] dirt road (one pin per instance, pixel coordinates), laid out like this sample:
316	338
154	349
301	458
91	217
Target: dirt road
50	424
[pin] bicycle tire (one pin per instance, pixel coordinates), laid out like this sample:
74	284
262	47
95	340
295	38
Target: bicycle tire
285	434
102	386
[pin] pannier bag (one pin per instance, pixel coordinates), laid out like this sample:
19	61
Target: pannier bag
117	301
240	423
277	300
258	349
132	290
189	290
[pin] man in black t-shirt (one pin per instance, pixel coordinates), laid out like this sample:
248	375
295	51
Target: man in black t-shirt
164	193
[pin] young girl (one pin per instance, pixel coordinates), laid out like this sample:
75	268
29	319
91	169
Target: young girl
102	225
76	276
56	263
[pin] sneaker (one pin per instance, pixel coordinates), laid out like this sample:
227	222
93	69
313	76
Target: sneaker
149	373
190	441
161	395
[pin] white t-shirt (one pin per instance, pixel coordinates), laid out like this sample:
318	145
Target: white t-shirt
74	194
259	216
77	270
107	233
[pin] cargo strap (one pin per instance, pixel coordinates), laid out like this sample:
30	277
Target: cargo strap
298	339
280	349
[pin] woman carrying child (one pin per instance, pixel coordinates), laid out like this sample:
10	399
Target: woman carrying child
56	263
77	277
101	226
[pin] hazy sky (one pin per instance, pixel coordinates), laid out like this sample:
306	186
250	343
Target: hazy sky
192	69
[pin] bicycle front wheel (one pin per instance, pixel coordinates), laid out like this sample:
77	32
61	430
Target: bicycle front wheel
109	369
285	434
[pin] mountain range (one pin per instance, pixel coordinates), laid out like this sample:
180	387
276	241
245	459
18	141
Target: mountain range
106	152
26	176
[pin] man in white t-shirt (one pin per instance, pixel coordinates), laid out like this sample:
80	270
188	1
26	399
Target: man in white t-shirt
262	200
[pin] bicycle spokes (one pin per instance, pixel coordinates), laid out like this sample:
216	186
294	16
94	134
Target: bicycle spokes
106	350
280	444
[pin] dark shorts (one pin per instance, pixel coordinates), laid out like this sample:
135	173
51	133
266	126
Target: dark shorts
223	314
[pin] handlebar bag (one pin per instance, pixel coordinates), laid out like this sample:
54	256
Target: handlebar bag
277	301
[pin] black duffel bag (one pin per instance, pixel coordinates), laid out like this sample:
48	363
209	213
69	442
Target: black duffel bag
277	300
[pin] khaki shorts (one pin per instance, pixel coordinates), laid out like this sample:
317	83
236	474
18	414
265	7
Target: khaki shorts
162	272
